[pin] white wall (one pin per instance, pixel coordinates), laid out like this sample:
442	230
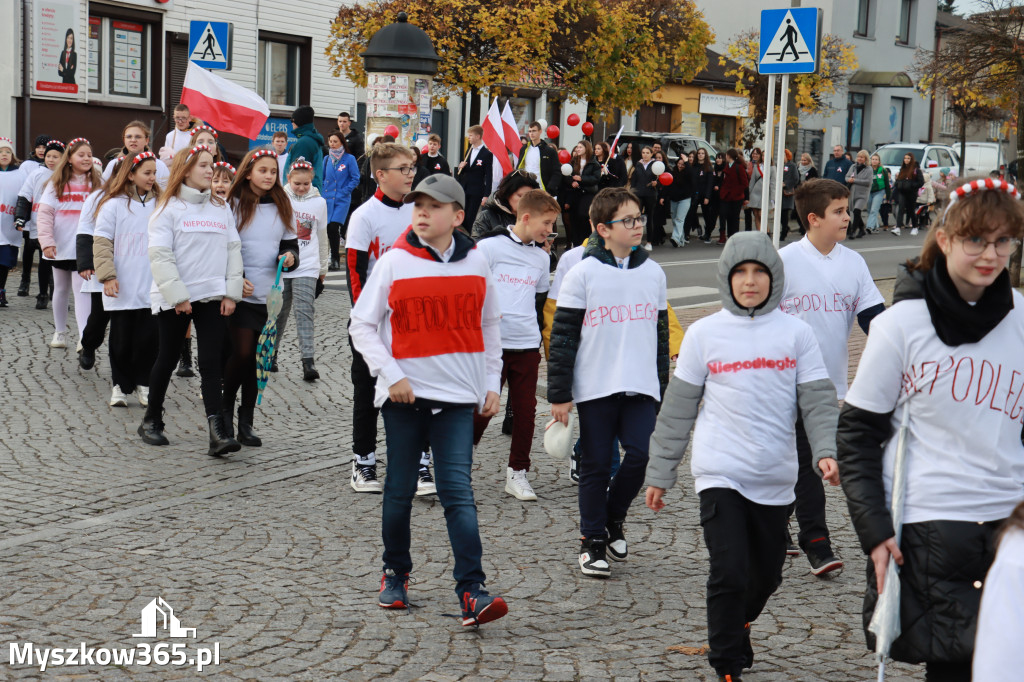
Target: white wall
10	75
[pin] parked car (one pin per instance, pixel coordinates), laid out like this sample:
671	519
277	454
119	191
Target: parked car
982	157
671	143
929	157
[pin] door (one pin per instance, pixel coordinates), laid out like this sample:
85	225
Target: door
655	118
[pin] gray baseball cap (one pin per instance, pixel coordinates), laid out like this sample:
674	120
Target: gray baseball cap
444	188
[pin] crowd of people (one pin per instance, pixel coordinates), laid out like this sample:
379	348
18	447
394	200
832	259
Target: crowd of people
448	310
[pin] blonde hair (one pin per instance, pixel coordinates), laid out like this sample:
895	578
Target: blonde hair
381	153
184	162
63	172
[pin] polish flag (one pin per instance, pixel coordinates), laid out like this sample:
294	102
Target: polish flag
494	138
226	106
512	141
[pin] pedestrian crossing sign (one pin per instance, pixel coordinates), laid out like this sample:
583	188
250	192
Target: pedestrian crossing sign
209	44
790	41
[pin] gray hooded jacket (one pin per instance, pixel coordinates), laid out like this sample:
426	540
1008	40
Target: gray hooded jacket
816	400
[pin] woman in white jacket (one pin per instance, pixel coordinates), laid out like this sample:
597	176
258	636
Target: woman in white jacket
196	261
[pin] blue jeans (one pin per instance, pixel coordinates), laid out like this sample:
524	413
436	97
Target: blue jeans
450	434
631	420
679	211
874	205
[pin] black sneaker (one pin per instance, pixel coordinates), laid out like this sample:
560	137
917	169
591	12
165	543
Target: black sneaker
730	678
822	559
394	590
594	558
3	298
86	358
617	547
791	548
478	607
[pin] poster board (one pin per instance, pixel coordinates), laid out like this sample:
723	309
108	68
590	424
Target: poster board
402	100
59	49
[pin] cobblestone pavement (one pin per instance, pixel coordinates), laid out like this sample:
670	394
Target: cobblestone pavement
269	554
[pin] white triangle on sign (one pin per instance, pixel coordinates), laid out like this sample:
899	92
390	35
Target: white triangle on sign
208	49
788	46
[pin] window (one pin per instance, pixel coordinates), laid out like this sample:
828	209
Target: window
995	130
863	13
906	16
277	74
950	122
945	160
897	114
855	122
119	58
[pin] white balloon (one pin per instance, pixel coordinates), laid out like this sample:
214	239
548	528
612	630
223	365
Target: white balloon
566	169
543	124
657	168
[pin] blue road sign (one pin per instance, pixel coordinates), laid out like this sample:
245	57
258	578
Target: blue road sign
209	44
790	40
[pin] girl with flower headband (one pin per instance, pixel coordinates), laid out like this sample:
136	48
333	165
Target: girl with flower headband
11	180
303	284
946	358
223	176
60	207
121	258
26	211
135	137
196	264
265	223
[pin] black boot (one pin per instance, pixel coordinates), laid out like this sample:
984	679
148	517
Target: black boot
220	442
227	415
42	300
23	289
246	436
506	423
185	366
152	427
309	372
86	358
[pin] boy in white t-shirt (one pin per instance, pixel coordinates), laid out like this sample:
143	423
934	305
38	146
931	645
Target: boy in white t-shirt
828	286
280	144
755	368
520	268
609	355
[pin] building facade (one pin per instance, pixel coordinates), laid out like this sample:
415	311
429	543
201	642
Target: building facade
880	104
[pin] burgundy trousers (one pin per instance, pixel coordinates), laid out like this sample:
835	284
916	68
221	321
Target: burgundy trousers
519	370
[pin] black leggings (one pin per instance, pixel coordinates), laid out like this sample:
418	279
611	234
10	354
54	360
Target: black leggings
731	213
240	368
133	347
3	276
96	325
335	231
210	328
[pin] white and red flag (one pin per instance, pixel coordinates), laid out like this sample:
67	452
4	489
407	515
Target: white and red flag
615	143
494	138
512	141
226	106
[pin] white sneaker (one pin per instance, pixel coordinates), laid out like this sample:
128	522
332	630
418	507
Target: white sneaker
364	478
59	340
895	231
79	349
913	232
118	398
143	394
425	484
517	485
648	247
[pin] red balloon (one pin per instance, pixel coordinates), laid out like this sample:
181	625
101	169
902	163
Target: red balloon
564	156
665	178
553	131
573	120
393	131
588	128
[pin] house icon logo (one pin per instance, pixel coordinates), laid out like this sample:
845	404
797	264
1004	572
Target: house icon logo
151	621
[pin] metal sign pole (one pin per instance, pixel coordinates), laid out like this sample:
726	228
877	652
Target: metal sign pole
781	156
766	159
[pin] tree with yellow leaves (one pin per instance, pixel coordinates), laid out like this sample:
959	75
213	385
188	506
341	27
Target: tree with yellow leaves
614	53
810	91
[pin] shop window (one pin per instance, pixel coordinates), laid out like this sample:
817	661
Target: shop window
119	58
950	123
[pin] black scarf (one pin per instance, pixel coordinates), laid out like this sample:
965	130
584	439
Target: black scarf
955	320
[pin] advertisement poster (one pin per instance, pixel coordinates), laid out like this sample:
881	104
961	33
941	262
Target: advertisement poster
273	125
398	99
58	48
128	65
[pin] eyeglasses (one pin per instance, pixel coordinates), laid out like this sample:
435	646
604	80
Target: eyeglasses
630	222
404	170
975	246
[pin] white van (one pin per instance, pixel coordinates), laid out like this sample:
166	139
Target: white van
982	157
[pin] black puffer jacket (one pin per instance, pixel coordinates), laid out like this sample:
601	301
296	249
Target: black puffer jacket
493	216
567	329
945	562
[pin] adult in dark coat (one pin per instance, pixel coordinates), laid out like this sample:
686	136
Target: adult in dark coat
732	191
644	186
702	178
353	138
613	171
790	180
579	190
540	159
475	173
838	166
908	181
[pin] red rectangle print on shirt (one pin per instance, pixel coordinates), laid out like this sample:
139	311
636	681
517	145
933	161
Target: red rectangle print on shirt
436	315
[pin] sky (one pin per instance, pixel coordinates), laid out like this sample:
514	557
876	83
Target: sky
968	7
